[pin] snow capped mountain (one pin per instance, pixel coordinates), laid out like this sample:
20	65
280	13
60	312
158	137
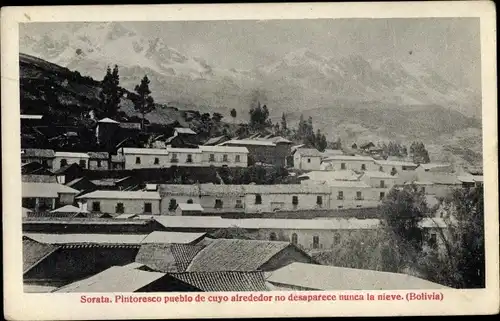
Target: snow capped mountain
299	80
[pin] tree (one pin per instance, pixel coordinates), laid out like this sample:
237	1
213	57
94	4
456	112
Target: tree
111	93
217	117
143	102
401	213
463	262
284	126
233	114
259	117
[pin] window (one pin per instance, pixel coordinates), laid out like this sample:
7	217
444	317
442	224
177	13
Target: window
394	171
340	206
423	189
224	158
382	195
359	206
172	205
189	201
157	161
239	204
336	239
295	200
211	158
237	158
342	165
382	184
272	236
120	208
433	240
308	160
359	196
258	199
174	158
315	242
96	207
189	158
381	169
363	167
295	238
137	160
340	196
218	203
99	163
148	208
319	200
64	162
83	163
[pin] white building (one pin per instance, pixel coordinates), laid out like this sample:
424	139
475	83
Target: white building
307	159
62	159
435	167
219	156
350	194
355	163
328	176
46	196
145	158
270	198
119	202
406	171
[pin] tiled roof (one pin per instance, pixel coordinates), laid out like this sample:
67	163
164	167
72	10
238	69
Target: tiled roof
84	238
35	152
190	207
114	279
31	178
184	150
130	195
222	190
434	166
323	277
119	158
167	257
98	155
224	281
332	152
71	154
34	252
65	168
214	140
180	189
83	221
309	152
48	190
235	255
223	149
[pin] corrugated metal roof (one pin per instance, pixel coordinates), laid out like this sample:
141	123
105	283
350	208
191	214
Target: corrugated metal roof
376	174
134	239
37	117
247	142
322	277
190	207
167	257
328	176
349	158
181	130
235	255
309	152
286	189
172	237
31	178
222	190
223	149
47	190
144	151
114	279
130	195
35	152
71	154
221	281
211	222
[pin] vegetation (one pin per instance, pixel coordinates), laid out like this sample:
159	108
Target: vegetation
143	102
111	93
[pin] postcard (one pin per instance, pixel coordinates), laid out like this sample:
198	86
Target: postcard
250	160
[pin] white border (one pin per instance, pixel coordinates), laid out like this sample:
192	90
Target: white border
20	306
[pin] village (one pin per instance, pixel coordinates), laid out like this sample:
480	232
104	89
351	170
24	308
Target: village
191	214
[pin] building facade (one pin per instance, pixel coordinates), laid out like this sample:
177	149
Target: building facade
354	163
307	159
120	202
63	159
45	157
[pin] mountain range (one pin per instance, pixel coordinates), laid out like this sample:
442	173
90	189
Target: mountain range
349	97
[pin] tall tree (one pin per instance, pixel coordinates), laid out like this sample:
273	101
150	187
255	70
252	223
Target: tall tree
217	117
284	126
143	103
111	93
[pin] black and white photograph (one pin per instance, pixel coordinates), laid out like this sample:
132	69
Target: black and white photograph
256	155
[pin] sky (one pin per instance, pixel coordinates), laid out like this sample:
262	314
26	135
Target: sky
449	45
